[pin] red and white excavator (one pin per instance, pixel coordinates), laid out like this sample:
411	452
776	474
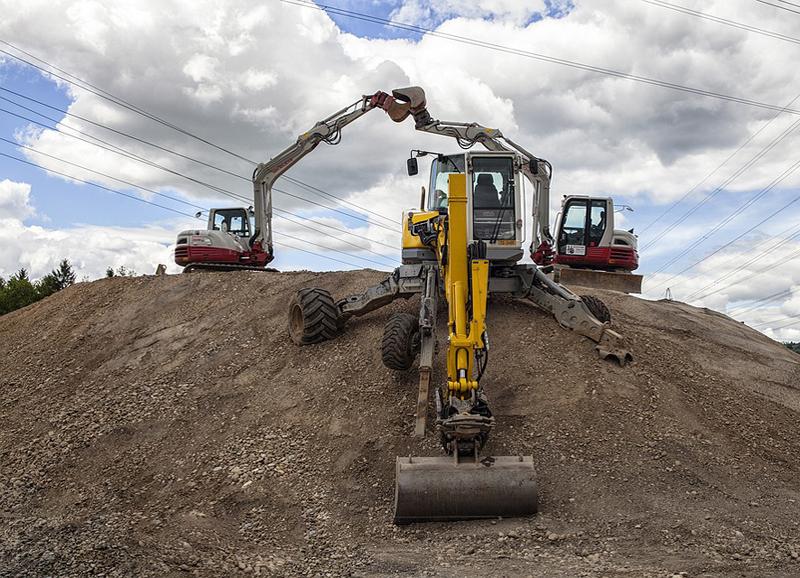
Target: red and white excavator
229	243
586	249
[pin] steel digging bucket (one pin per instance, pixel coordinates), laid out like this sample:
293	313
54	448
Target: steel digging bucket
440	489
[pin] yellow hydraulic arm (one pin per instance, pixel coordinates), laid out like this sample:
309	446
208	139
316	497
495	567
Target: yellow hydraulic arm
466	282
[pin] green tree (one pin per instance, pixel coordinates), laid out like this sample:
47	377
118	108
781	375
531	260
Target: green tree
47	285
17	292
63	274
109	272
123	271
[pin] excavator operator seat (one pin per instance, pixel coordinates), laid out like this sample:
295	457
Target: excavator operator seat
485	194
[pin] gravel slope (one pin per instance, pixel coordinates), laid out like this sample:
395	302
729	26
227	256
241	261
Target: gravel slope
165	426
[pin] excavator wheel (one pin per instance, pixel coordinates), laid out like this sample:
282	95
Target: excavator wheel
597	308
313	316
400	343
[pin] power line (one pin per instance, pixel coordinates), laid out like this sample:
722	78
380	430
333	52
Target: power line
538	56
760	302
740	171
74	80
722	164
763	192
719	20
120	151
110	190
98	186
143	141
123	181
203	209
790	234
125	104
780	7
756	273
792	319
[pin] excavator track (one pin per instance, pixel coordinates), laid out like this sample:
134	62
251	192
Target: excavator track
226	267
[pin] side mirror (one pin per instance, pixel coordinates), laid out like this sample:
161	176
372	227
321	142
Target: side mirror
412	166
534	166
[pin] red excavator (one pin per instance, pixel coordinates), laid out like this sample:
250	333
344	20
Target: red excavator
588	250
229	243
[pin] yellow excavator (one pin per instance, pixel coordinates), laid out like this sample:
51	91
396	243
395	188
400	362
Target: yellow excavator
463	244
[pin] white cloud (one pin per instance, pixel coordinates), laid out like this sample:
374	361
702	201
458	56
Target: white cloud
15	201
90	248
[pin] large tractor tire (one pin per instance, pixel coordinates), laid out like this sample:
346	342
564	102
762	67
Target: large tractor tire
597	308
400	344
313	316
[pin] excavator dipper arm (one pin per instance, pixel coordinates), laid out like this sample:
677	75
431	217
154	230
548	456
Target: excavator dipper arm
328	131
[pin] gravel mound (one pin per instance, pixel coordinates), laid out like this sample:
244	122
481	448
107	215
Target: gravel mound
167	426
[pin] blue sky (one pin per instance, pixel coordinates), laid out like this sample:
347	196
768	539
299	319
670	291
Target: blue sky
59	203
385	8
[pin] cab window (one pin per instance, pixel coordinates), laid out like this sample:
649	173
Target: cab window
597	223
573	231
493	211
234	221
441	169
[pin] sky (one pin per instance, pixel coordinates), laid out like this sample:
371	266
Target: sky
714	184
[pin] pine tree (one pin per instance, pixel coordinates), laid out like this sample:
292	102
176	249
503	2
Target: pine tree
109	272
17	292
64	275
47	285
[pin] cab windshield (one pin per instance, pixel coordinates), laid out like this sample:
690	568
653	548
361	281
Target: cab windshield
493	208
234	221
441	169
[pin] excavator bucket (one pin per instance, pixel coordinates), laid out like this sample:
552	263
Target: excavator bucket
439	489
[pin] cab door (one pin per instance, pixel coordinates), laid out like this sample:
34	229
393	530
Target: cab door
583	227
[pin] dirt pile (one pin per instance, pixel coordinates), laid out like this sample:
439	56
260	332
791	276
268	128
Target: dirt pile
167	426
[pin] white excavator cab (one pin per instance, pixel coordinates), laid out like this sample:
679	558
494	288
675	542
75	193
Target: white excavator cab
586	236
235	221
494	203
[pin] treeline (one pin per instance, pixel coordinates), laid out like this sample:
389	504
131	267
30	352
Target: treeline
793	346
20	291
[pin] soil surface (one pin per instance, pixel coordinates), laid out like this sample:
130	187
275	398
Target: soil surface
167	426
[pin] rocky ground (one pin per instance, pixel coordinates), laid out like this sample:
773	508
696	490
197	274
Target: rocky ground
166	426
